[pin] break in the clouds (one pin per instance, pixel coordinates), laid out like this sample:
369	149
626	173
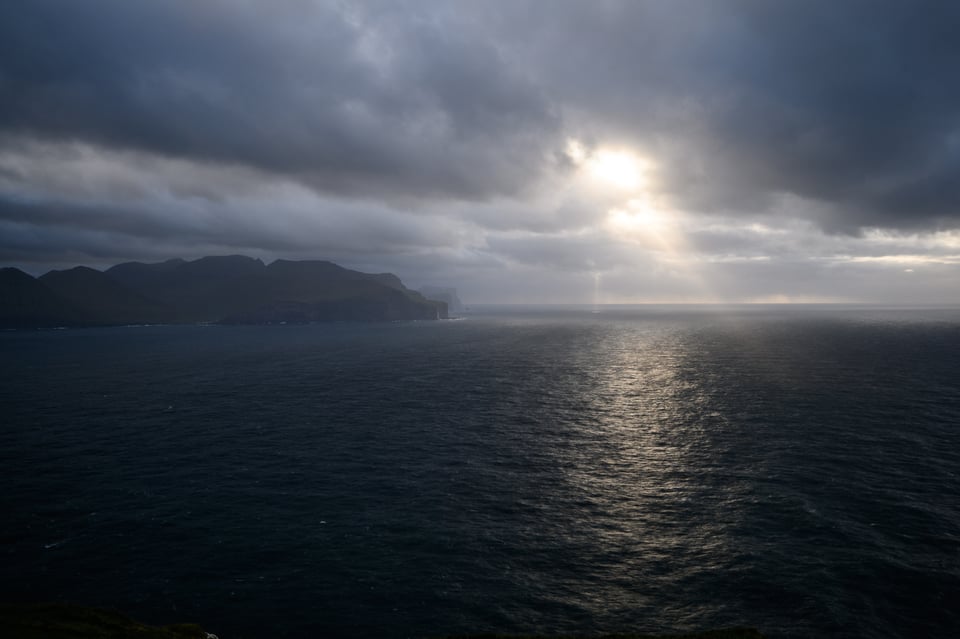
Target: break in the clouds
522	151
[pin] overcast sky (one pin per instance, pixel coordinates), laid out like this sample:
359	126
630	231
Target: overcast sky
575	152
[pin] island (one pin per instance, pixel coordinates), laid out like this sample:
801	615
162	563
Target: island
233	289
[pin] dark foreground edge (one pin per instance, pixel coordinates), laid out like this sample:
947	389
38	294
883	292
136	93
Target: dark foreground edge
728	633
64	621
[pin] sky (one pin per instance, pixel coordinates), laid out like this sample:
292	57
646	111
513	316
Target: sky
551	151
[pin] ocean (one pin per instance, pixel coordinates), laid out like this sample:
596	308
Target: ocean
550	470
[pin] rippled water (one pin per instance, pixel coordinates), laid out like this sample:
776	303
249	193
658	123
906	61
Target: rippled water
551	470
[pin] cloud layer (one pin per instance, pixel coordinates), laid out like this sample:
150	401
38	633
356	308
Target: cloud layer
785	151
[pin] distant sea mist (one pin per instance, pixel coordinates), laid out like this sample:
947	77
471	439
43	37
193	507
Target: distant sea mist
524	469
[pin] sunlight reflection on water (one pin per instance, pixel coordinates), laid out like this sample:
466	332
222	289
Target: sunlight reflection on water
541	471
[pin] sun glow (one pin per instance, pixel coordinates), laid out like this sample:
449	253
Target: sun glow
638	216
618	168
610	166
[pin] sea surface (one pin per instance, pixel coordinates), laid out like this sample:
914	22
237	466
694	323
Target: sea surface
551	470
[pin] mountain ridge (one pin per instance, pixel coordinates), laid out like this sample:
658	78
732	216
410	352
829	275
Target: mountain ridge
229	289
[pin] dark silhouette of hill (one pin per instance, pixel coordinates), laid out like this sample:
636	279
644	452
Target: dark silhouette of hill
314	280
203	290
317	291
103	299
138	274
25	302
225	289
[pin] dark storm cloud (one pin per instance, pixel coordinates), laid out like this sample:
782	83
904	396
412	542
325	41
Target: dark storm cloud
345	229
431	137
86	216
852	103
348	100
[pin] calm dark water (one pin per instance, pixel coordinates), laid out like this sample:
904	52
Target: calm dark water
548	471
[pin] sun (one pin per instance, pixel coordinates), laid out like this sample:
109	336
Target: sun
611	166
617	168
